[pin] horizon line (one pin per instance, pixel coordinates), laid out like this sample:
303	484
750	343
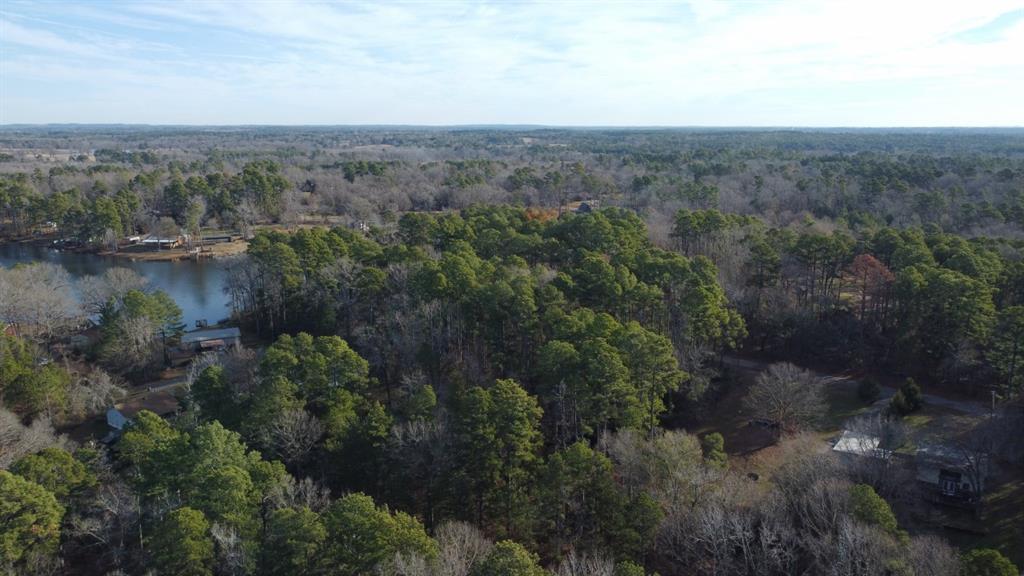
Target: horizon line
10	125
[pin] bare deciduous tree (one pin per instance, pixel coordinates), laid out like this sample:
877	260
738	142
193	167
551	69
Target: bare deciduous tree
933	556
17	440
292	493
109	524
407	565
38	300
805	462
669	467
423	449
787	397
239	364
93	393
698	541
461	546
585	565
166	227
231	550
822	507
292	435
135	345
857	550
97	292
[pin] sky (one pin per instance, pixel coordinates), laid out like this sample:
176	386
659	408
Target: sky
570	63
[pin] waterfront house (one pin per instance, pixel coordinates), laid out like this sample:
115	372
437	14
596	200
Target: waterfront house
161	242
211	339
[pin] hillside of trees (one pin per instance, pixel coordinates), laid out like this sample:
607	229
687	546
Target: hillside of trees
493	351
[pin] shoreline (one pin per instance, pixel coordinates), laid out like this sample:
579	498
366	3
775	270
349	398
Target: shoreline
133	252
212	251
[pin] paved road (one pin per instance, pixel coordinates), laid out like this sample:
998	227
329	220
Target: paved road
965	406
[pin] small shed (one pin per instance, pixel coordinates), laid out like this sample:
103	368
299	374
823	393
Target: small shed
211	339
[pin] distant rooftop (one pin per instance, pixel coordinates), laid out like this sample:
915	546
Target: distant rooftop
941	453
211	334
115	419
153	239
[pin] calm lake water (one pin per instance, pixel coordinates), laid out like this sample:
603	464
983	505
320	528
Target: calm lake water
195	286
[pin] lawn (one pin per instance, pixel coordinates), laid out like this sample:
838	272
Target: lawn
936	425
729	418
1004	516
843	404
1002	519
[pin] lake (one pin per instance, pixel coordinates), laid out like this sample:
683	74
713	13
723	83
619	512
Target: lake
195	286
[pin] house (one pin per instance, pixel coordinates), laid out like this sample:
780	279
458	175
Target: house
211	339
160	242
860	445
950	474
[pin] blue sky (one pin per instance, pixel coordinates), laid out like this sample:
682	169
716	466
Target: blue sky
697	63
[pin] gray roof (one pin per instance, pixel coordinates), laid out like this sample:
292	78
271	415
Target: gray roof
115	419
940	452
951	457
211	334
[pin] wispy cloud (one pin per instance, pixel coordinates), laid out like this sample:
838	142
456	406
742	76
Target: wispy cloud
603	63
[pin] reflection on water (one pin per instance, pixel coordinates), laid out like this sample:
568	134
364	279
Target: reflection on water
195	286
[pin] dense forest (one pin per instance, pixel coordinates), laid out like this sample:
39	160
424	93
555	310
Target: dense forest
520	351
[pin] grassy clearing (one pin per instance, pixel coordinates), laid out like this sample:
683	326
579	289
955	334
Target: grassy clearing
1001	524
1004	516
729	418
937	425
843	404
918	420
